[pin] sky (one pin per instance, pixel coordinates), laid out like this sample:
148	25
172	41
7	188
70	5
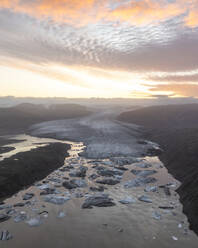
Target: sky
99	48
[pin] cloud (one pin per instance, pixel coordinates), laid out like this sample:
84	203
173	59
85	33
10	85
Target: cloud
161	96
178	54
85	12
64	11
175	78
191	19
147	11
178	89
163	48
35	42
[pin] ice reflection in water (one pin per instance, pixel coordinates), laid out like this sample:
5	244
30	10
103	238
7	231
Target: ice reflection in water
64	223
26	143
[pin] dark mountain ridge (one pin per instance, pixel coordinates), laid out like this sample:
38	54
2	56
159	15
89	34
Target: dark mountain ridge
175	129
19	118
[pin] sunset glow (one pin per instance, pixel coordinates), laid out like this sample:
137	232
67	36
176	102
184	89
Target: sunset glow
69	48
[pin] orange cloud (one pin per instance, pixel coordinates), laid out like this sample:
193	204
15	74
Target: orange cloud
144	12
188	90
66	11
191	19
81	13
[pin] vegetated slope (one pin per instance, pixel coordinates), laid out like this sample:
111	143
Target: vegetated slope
20	117
175	128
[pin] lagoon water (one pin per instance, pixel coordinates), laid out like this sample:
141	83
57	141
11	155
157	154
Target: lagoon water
138	224
97	141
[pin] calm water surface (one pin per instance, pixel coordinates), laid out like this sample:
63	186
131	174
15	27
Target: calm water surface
132	225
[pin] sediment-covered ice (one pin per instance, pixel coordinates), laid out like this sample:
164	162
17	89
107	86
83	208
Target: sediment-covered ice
103	135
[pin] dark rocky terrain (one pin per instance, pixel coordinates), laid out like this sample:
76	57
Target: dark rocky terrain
18	118
175	129
23	169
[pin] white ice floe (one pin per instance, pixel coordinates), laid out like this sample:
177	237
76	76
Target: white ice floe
61	215
128	200
59	200
33	222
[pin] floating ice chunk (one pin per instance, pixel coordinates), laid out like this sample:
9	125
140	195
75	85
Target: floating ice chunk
34	222
173	185
44	186
150	189
78	195
93	176
80	172
118	177
27	196
20	217
139	181
107	163
11	211
128	200
156	216
179	225
98	200
109	181
19	204
4	217
49	191
61	215
55	180
143	165
143	173
167	191
102	171
5	235
59	200
79	182
124	160
145	198
57	185
99	189
4	206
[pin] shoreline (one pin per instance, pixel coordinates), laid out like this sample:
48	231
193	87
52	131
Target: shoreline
25	168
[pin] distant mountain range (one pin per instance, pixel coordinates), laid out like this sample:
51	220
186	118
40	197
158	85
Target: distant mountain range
9	101
20	117
164	116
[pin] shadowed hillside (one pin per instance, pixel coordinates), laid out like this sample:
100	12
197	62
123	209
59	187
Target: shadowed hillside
175	128
20	117
164	116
